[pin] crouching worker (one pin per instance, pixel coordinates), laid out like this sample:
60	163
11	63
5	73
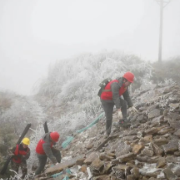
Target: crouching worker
21	154
45	149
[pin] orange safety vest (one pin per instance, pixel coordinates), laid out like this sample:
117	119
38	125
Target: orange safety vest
107	93
39	147
17	152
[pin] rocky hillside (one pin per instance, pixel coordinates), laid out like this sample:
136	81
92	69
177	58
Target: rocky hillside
148	150
67	99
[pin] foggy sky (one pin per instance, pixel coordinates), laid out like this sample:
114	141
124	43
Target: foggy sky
36	33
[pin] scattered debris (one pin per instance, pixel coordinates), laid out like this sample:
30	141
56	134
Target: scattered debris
147	150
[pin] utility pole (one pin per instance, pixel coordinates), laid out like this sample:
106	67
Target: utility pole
162	4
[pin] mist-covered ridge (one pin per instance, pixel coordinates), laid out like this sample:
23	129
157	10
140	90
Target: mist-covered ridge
67	99
72	85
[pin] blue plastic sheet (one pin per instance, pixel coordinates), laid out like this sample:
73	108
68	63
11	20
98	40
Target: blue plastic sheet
59	174
56	175
92	124
66	178
67	141
70	138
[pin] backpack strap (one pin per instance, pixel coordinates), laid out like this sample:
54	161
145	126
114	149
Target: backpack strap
120	81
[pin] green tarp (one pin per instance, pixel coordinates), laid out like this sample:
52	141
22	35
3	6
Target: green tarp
70	138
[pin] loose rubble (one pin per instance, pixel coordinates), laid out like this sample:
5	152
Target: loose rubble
147	150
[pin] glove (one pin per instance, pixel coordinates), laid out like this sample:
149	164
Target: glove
119	114
56	164
134	109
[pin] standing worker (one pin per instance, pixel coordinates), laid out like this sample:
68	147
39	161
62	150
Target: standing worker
45	149
111	95
21	154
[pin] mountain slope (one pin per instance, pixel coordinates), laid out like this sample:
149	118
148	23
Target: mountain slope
148	150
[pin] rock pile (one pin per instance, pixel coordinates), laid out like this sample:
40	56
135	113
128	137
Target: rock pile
148	150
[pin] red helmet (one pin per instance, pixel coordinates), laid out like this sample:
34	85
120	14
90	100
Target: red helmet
54	136
129	76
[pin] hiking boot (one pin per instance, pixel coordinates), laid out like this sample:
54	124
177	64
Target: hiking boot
116	124
124	124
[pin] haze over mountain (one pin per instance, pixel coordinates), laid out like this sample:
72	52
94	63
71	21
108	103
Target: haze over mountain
37	33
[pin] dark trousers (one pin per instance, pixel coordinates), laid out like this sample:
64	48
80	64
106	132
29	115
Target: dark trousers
108	109
43	159
15	166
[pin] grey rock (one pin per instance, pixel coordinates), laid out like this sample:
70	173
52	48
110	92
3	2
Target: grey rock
154	113
169	174
171	147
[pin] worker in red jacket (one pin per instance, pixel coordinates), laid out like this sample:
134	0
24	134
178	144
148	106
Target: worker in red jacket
20	154
112	95
45	149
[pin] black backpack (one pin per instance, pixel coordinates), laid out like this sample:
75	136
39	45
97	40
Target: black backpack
103	85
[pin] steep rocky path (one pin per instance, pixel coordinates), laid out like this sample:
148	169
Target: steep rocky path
148	150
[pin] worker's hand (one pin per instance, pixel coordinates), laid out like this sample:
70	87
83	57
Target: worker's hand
134	109
57	164
119	114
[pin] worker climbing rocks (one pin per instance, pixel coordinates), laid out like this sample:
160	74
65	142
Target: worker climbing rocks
45	149
21	154
112	95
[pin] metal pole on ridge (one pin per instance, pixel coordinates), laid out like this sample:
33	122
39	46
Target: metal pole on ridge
162	3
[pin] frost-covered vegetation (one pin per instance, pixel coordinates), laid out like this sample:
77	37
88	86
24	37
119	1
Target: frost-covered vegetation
166	70
15	113
72	85
68	99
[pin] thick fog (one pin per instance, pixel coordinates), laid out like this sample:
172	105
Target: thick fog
34	34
